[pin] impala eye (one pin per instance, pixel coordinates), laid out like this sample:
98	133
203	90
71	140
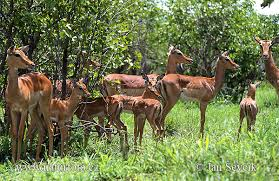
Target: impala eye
179	53
80	88
17	55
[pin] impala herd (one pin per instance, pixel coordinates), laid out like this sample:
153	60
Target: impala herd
148	97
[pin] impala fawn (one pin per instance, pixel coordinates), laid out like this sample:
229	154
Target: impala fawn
28	93
62	112
110	107
248	108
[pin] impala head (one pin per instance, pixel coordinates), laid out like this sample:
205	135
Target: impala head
80	88
227	62
252	88
266	46
177	56
150	86
17	58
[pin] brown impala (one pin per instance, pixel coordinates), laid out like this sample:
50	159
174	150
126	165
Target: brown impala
272	72
133	85
201	89
28	93
248	108
61	112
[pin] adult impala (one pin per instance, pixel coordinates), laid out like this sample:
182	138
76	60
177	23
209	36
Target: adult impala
28	93
272	72
133	85
201	89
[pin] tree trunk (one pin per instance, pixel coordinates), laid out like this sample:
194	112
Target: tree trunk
64	68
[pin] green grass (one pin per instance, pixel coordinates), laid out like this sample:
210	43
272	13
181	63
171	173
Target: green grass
177	157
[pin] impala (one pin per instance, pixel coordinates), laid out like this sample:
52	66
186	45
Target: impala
28	93
62	112
248	108
201	89
110	107
272	72
133	85
147	106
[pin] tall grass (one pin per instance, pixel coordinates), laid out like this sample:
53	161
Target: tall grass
181	155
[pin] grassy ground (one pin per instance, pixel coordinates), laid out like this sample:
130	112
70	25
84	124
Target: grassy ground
180	156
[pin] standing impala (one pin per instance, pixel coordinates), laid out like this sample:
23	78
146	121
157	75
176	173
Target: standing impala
62	112
133	85
248	108
201	89
28	93
272	72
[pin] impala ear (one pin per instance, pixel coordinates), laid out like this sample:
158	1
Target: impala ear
226	53
160	77
74	81
25	49
146	79
85	80
257	39
171	49
11	50
275	40
248	81
257	84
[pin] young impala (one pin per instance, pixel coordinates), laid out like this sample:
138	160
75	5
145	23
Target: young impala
62	112
110	107
146	106
28	93
272	72
248	108
201	89
133	85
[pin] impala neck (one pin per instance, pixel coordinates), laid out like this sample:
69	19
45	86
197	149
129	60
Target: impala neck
270	66
219	77
73	101
251	94
12	80
171	66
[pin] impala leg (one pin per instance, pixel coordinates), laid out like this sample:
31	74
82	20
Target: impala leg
14	133
136	120
141	127
249	123
203	106
63	132
241	117
46	115
41	135
29	135
21	132
102	124
167	108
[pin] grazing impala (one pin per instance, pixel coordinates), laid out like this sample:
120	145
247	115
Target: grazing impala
133	85
201	89
248	108
62	112
28	93
272	72
110	107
